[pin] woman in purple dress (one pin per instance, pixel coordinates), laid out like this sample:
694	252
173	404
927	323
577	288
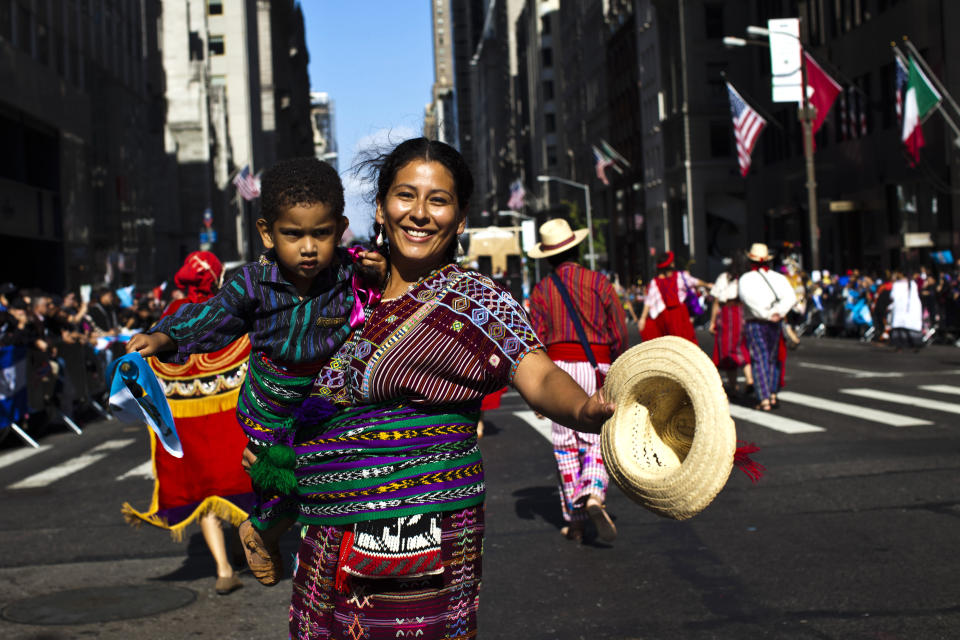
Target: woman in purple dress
392	488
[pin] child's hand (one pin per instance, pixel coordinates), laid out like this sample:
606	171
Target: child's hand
373	263
148	344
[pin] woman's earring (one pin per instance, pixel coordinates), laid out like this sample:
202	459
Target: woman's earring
460	252
379	241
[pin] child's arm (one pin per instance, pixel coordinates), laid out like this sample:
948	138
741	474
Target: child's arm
202	327
149	344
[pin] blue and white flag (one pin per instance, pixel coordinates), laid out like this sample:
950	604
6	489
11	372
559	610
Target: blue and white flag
136	397
13	385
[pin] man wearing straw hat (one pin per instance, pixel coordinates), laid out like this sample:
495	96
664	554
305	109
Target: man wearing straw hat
577	314
767	296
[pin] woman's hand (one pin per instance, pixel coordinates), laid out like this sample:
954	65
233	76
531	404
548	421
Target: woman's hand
148	344
248	458
550	391
374	261
712	328
641	323
595	411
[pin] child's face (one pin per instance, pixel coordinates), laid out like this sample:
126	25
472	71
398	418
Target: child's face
304	238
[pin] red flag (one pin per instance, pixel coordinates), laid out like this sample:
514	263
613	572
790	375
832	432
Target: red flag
822	90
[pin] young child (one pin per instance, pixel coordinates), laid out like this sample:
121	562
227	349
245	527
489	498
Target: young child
298	304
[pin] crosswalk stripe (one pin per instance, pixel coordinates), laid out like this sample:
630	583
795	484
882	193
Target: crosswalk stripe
542	425
936	405
144	470
941	388
12	457
772	421
856	373
857	411
72	465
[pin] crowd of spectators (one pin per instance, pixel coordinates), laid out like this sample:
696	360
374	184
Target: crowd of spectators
68	342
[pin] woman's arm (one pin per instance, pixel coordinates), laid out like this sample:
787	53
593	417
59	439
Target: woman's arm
551	391
714	309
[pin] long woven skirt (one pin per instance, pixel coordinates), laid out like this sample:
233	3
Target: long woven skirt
432	608
730	342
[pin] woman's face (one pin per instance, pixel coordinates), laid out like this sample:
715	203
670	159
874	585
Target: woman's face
420	215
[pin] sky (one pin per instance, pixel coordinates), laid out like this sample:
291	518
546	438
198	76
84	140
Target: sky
375	59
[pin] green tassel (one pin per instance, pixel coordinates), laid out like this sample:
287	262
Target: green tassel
274	469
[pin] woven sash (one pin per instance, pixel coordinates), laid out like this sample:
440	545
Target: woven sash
268	395
386	460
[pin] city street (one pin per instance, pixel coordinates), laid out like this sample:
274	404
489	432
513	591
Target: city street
852	532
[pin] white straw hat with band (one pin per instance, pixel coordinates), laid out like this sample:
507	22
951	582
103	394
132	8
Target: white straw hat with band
670	444
556	237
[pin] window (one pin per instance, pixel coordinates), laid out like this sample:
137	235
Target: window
216	46
215	7
545	25
547	58
548	90
550	120
6	26
713	20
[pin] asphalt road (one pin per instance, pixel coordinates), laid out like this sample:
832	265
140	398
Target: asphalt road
852	533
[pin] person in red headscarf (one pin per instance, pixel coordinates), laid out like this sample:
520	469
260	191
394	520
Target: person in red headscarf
665	311
208	483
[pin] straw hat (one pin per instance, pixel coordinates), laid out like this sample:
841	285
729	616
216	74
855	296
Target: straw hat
670	444
556	237
759	253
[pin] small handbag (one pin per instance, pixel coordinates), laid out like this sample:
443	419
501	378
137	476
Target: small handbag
692	300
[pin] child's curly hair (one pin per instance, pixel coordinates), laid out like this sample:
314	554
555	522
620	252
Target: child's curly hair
299	181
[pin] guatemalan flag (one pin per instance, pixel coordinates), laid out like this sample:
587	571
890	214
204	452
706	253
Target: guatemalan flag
13	385
137	397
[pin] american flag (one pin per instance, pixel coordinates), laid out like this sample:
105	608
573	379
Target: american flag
903	74
602	163
248	186
517	195
747	125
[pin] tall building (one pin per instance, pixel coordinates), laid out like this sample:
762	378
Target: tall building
322	119
238	96
440	119
83	176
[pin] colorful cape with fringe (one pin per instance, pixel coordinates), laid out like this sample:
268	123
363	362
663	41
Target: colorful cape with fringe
208	478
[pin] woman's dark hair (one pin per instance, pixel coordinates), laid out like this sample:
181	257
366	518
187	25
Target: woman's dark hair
570	255
663	257
299	181
381	169
738	264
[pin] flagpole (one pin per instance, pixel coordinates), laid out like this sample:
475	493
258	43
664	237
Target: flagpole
806	120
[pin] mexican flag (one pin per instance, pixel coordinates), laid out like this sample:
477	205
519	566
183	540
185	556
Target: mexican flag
920	99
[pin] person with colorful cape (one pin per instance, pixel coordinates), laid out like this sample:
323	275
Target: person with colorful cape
391	490
206	484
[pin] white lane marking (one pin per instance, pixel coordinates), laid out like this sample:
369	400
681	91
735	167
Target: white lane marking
772	421
542	425
941	388
144	470
936	405
73	465
856	373
857	411
15	456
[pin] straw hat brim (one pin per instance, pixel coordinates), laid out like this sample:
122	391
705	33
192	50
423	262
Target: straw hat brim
578	237
670	444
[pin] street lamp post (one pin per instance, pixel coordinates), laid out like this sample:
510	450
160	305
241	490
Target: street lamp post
586	191
807	115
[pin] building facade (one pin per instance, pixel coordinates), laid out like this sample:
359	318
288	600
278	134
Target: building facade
83	174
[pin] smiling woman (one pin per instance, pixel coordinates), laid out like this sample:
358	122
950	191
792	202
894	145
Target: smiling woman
392	489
